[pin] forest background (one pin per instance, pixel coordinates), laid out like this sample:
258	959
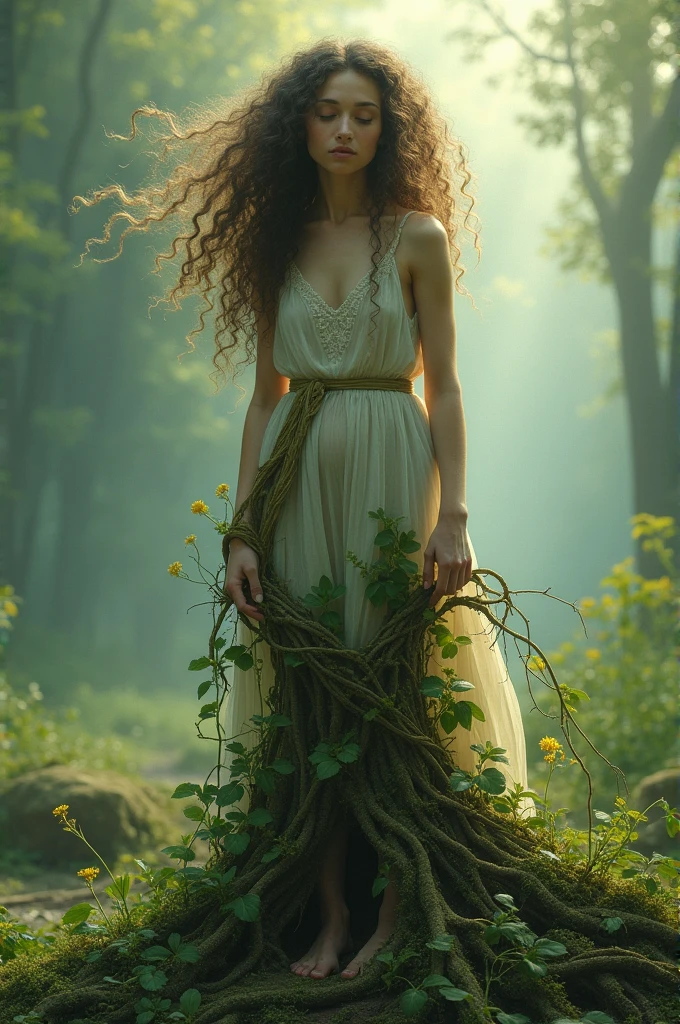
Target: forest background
568	363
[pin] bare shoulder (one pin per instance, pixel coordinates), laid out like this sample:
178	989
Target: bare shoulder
426	241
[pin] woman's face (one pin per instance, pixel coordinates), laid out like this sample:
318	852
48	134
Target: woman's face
344	124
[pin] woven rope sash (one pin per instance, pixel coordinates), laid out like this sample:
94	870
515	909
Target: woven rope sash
255	520
358	383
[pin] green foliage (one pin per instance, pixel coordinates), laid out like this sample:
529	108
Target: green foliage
17	939
621	680
32	736
329	758
392	576
322	596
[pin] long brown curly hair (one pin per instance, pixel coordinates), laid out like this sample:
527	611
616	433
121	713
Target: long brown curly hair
241	183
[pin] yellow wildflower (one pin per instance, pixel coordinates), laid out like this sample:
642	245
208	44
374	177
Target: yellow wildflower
190	539
89	874
61	809
587	603
549	757
536	663
175	569
593	653
550	743
10	608
199	508
222	491
573	761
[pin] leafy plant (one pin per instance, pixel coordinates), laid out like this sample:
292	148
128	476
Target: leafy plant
391	576
329	758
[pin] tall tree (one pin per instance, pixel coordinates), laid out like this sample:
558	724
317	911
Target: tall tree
603	75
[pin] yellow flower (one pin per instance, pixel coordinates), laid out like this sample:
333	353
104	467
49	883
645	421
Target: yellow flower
593	653
587	603
549	757
199	508
536	663
10	608
222	491
89	874
190	539
61	809
175	569
549	743
573	761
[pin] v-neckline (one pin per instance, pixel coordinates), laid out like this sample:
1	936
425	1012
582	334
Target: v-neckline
350	295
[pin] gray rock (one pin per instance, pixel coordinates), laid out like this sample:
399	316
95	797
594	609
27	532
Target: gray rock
117	814
652	834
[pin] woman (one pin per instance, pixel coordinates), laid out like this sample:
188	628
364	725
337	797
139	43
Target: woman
322	216
379	179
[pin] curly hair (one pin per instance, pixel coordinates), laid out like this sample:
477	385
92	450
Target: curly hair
241	182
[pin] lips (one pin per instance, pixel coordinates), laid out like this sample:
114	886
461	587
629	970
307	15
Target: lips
343	149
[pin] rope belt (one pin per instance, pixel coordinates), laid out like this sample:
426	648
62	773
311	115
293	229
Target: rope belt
355	383
255	521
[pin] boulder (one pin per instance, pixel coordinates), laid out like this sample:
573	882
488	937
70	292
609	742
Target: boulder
652	834
117	814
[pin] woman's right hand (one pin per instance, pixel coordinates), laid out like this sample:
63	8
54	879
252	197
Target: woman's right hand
242	576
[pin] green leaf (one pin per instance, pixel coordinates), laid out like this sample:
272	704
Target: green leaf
156	953
145	1017
203	688
491	781
511	1018
271	855
260	817
349	753
460	685
432	686
478	714
548	947
246	908
407	565
371	714
597	1017
194	813
442	942
188	953
454	995
283	766
327	769
233	652
385	538
244	662
448	721
611	924
535	968
505	900
77	914
412	1001
434	980
449	650
313	601
279	721
237	842
179	852
229	794
190	1001
409	546
198	664
379	884
459	782
464	714
153	980
186	789
265	778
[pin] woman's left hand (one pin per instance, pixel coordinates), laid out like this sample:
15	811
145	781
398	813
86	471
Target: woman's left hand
448	547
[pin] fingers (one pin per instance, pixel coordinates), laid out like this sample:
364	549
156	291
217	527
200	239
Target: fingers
452	576
235	587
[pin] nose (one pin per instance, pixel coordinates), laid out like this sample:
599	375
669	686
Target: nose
344	130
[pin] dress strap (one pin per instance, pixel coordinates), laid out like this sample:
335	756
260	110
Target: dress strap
395	240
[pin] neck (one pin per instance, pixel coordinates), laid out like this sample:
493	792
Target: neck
341	196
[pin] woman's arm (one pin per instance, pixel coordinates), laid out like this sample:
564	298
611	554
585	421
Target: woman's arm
433	287
270	385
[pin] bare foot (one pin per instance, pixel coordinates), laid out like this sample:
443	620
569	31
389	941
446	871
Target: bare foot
322	958
377	939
